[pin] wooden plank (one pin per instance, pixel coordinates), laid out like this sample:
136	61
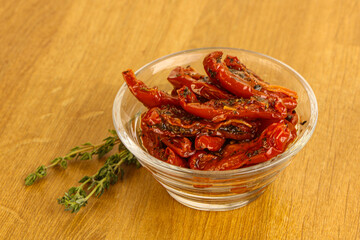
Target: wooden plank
60	65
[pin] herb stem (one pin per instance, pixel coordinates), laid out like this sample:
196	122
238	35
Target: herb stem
99	185
85	149
82	150
77	197
84	183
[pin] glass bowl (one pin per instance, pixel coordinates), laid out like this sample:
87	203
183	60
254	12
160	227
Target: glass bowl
213	190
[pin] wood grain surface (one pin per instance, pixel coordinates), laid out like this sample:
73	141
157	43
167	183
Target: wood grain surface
60	69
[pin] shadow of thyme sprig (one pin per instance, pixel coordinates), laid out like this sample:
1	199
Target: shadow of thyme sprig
83	152
77	197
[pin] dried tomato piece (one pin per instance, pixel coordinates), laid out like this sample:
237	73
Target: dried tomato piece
180	145
271	142
220	110
287	96
174	159
175	122
207	142
180	77
150	97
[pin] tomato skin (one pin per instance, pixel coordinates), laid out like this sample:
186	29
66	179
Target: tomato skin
152	143
180	77
175	122
150	97
220	110
287	96
201	159
213	144
180	145
174	159
220	74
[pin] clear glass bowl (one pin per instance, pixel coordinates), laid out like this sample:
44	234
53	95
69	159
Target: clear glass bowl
213	190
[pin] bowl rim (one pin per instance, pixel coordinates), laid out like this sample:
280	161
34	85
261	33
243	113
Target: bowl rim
294	149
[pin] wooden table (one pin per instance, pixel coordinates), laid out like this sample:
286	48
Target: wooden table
60	68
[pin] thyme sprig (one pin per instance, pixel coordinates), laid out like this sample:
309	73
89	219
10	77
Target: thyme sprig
77	197
85	151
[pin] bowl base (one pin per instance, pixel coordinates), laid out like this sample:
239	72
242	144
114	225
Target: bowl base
216	206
